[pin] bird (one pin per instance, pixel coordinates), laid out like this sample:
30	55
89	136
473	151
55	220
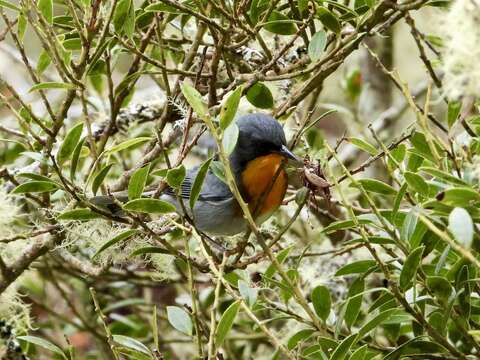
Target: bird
258	164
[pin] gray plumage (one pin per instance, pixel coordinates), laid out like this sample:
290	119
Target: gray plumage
216	210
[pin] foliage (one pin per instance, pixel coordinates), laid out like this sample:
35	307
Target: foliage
373	256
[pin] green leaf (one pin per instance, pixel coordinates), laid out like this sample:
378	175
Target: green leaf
69	143
36	187
127	144
226	322
176	176
21	26
421	146
321	301
317	45
416	183
460	225
230	107
9	5
129	21
454	108
376	321
360	353
218	170
132	344
43	61
46	9
43	343
179	319
297	337
343	348
442	175
120	237
363	145
409	269
34	176
194	99
248	293
257	8
440	287
354	304
151	206
75	157
160	7
229	138
279	23
328	19
78	214
122	11
149	250
137	182
99	177
344	224
260	96
413	347
198	182
52	85
376	186
281	257
460	196
357	267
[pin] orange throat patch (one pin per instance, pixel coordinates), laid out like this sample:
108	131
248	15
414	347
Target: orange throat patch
258	178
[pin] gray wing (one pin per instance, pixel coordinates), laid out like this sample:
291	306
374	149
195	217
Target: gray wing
213	189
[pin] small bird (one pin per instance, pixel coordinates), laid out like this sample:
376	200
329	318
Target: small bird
258	165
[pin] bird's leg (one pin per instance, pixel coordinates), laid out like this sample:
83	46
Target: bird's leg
219	248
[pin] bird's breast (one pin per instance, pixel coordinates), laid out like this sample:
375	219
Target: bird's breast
264	183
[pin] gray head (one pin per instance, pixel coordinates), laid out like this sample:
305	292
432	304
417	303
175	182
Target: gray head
260	135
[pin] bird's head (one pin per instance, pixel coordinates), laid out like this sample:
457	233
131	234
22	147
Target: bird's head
259	135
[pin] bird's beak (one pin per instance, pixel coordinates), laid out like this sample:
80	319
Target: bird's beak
289	155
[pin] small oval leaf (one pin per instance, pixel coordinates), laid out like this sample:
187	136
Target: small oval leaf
151	206
226	322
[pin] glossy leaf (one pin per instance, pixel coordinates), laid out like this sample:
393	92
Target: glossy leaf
226	322
229	138
36	187
151	206
46	9
116	239
321	301
416	182
100	177
328	19
409	269
280	24
137	182
127	144
52	85
180	319
43	343
376	186
194	99
69	143
357	267
317	45
78	214
131	343
176	176
460	224
198	182
259	95
229	108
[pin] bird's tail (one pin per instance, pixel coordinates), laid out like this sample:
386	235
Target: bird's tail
113	202
110	202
